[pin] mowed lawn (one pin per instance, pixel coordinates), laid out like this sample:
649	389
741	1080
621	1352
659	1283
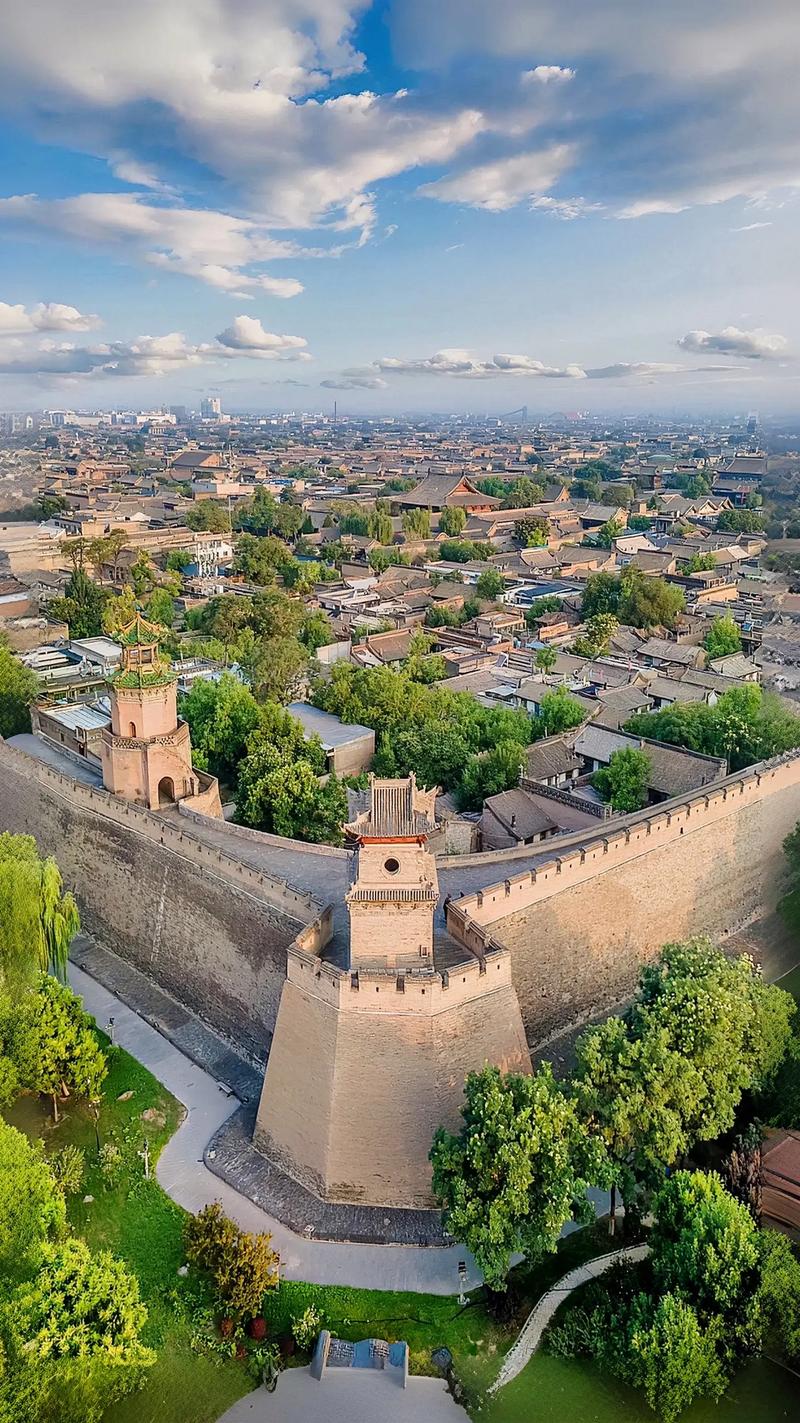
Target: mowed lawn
565	1391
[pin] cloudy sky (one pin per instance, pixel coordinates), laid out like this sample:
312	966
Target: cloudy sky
403	205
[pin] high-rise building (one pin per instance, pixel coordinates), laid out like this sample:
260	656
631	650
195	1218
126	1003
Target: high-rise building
211	407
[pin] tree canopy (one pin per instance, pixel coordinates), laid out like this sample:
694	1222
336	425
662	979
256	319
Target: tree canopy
625	780
723	637
38	921
517	1171
745	725
19	686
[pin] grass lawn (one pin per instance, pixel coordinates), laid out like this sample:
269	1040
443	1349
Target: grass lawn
137	1221
568	1391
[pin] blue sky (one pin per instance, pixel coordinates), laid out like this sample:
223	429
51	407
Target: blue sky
403	206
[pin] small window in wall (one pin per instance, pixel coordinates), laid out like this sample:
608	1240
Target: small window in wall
391	865
131	728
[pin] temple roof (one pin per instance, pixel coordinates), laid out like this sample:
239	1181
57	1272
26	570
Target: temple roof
397	810
140	633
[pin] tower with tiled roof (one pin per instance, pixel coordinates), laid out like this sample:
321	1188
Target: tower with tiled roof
146	751
394	893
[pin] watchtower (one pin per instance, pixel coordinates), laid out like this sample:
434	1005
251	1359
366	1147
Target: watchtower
394	893
146	752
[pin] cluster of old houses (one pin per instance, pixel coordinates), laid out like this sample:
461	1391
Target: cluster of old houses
377	612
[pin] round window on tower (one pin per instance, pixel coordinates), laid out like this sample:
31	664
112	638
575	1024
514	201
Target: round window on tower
391	865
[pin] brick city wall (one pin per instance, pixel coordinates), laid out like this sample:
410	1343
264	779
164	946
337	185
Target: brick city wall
210	931
581	923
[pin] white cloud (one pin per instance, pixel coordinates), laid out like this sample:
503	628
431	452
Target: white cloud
756	345
460	364
622	370
247	336
751	226
214	247
548	74
500	185
238	87
455	361
355	383
713	87
565	209
45	316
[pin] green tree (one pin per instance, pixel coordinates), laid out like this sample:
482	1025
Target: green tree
600	596
81	607
74	1336
705	1248
143	574
19	687
486	775
558	711
701	563
648	602
630	1091
209	516
597	633
672	1355
119	611
316	630
452	521
625	780
490	584
32	1206
417	523
48	505
379	526
460	550
286	797
532	532
723	637
38	921
260	559
608	532
639	523
731	1028
545	659
221	716
178	560
740	521
54	1045
523	494
517	1171
277	669
161	607
243	1267
745	725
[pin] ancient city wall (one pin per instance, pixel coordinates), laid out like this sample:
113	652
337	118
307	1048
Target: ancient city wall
580	923
206	928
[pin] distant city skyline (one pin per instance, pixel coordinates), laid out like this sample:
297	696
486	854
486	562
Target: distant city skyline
401	206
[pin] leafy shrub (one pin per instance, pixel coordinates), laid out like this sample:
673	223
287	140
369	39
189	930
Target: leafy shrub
68	1168
242	1266
306	1327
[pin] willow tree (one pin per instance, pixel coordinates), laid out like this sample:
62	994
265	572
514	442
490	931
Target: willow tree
38	921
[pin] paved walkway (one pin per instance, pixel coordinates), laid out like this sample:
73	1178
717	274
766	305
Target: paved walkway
184	1175
532	1330
347	1396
